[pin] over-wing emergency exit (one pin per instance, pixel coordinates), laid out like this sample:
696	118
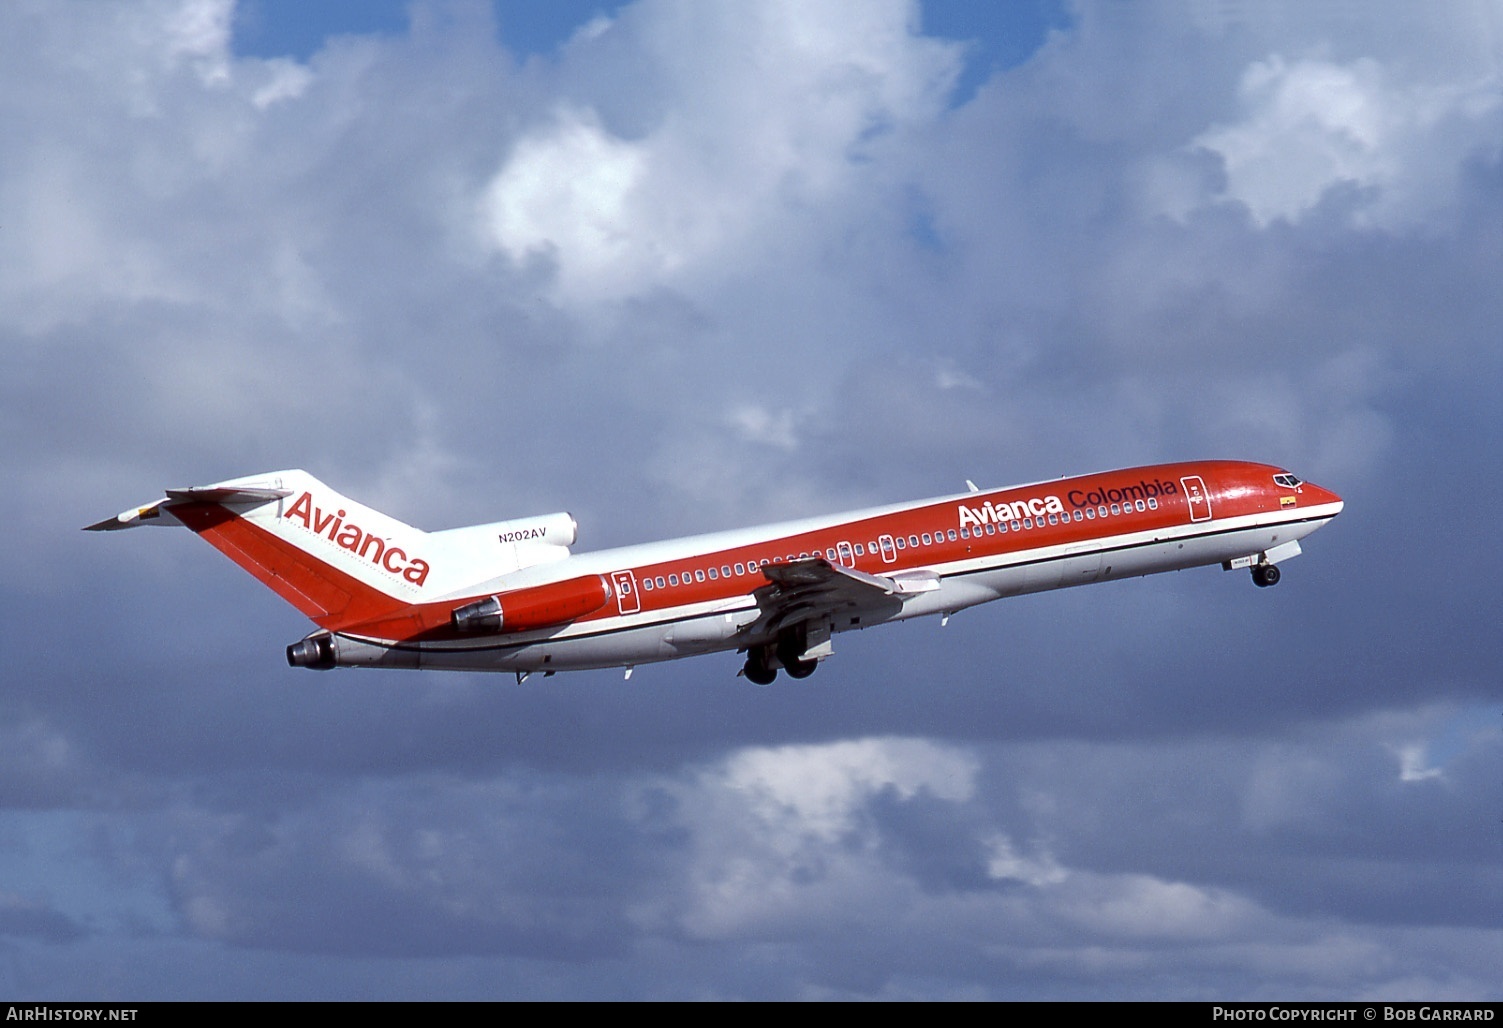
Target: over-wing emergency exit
511	596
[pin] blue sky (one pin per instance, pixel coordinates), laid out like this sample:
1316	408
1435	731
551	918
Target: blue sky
997	35
278	28
703	266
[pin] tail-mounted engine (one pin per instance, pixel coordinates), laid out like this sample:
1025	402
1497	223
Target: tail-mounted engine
316	651
538	606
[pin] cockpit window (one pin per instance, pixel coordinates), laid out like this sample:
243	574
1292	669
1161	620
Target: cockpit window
1288	481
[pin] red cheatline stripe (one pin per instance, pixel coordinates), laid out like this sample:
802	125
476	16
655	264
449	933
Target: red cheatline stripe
332	598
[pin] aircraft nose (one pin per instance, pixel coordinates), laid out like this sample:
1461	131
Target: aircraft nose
1315	495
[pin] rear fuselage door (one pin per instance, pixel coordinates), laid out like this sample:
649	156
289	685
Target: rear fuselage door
627	600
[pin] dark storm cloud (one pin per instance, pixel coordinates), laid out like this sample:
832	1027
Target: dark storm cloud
426	868
21	920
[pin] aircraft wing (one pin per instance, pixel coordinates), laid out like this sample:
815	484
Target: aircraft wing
813	588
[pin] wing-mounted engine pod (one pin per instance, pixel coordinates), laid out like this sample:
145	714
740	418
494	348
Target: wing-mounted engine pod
316	652
538	606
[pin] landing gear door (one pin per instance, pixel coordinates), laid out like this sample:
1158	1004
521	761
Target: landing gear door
1197	497
627	600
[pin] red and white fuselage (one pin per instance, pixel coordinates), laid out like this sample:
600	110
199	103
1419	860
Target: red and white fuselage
511	596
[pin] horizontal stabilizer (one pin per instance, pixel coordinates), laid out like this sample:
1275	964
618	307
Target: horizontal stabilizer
128	519
226	494
153	512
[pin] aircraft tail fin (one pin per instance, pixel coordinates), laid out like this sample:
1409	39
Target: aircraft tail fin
341	563
335	560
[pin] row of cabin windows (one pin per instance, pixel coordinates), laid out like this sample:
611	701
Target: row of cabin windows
905	542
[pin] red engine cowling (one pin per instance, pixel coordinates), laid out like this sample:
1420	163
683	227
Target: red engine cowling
537	606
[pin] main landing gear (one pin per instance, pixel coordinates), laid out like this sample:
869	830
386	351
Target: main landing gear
1264	575
759	669
788	652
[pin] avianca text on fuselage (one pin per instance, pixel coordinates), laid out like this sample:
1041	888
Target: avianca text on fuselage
778	593
996	512
358	541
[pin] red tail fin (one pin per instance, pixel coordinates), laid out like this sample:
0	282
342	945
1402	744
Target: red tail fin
330	597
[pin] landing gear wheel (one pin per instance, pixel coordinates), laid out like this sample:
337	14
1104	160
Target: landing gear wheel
800	668
789	649
757	671
1264	575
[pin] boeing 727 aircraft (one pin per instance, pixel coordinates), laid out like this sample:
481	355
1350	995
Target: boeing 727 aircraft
510	596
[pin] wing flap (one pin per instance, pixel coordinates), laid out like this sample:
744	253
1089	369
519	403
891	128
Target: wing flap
813	588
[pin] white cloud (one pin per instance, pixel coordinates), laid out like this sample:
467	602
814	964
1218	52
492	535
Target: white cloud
1312	125
1143	907
285	80
805	792
1413	766
771	109
200	31
567	194
756	423
1005	863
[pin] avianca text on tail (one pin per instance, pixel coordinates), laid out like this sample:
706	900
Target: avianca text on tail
511	596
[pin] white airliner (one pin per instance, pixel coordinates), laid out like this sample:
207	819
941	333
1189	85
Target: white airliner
510	596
